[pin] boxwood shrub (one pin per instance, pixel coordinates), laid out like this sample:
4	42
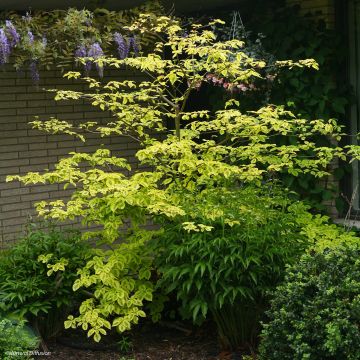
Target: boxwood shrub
315	313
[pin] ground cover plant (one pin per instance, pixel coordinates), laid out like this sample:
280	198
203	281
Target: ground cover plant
191	164
16	340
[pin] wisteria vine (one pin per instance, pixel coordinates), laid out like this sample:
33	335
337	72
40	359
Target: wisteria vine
10	39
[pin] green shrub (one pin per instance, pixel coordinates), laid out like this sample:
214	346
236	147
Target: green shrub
228	271
32	289
15	337
315	314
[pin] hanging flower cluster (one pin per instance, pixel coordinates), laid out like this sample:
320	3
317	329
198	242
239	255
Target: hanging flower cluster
124	47
4	48
94	51
83	33
36	48
10	39
14	37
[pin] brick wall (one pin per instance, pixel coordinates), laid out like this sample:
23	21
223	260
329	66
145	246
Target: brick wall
23	149
324	9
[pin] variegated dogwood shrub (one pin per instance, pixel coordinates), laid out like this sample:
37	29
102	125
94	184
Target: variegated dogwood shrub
182	154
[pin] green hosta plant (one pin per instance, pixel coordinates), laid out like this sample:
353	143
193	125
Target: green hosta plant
183	155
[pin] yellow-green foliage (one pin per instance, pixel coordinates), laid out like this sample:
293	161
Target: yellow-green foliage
205	150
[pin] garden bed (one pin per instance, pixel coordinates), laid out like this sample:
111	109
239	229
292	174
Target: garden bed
150	343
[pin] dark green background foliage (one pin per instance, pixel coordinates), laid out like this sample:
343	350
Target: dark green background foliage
228	271
315	314
25	287
276	32
15	337
289	35
313	94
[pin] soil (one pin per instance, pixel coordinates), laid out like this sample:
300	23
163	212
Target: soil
149	343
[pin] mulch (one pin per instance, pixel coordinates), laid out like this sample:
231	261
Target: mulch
152	342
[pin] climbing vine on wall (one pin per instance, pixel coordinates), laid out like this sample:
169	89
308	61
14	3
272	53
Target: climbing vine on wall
56	38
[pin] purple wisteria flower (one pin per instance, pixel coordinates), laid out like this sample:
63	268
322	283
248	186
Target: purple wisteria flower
81	52
96	52
14	35
34	71
4	47
122	45
134	45
31	37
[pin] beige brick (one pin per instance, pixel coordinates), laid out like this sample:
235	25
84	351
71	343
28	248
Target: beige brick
11	89
9	170
7	127
12	148
17	206
12	104
13	192
34	168
10	141
12	225
8	185
13	119
29	212
7	97
32	140
10	214
10	200
44	188
30	111
35	197
7	112
33	153
8	239
59	110
16	162
13	133
7	82
63	151
42	145
8	156
30	96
